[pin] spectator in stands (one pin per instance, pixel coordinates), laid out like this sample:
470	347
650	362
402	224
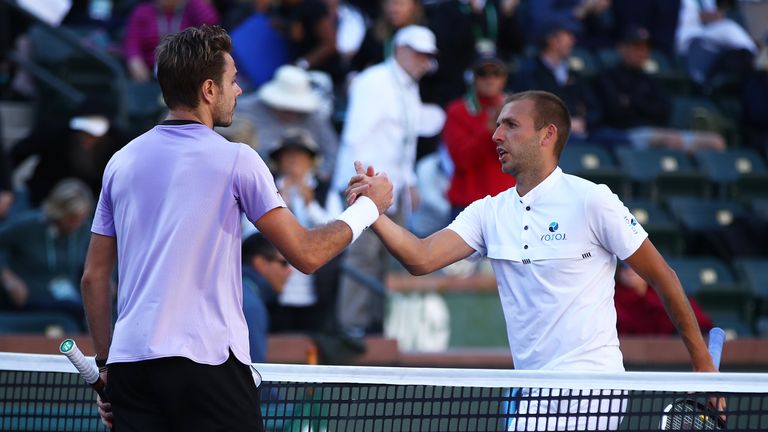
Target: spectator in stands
44	252
754	100
265	272
551	71
151	21
433	173
79	148
307	302
660	17
288	101
7	195
381	129
258	47
591	20
712	43
635	102
639	309
466	30
468	136
310	29
377	44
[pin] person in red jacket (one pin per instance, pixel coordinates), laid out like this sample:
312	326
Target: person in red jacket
469	125
639	310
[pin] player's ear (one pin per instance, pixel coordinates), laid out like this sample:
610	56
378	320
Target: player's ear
208	91
548	135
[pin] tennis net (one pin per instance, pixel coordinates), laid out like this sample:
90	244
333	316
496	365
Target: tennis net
44	393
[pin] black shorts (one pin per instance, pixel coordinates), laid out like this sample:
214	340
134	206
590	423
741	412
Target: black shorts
177	394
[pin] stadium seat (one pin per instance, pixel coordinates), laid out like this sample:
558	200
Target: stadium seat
737	173
594	163
759	207
711	227
754	274
697	113
37	322
661	173
662	229
583	62
712	283
697	274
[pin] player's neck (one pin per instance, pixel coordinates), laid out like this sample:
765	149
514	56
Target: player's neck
191	114
529	180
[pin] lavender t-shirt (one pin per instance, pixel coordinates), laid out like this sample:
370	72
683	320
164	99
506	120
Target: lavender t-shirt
173	198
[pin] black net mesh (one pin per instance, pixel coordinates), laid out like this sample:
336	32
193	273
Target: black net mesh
60	401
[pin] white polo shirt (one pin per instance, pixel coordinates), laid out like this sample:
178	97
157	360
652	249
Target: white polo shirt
554	254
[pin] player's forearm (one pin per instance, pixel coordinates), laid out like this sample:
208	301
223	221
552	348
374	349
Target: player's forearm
315	247
403	245
681	314
97	300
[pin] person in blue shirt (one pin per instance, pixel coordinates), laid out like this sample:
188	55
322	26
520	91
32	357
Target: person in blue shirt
265	271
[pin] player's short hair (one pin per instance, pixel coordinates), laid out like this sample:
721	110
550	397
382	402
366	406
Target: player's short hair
186	59
547	109
257	245
69	197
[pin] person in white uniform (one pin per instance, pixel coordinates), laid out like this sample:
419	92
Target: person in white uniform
553	241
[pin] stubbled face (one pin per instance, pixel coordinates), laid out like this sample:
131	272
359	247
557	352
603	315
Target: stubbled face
229	90
516	138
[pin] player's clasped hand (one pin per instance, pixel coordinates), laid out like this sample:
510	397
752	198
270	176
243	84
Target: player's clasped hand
374	185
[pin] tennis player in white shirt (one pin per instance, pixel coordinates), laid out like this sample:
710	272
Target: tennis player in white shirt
553	241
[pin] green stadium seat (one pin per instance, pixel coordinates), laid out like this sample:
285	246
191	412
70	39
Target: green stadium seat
594	163
754	274
661	227
737	173
661	173
710	227
709	280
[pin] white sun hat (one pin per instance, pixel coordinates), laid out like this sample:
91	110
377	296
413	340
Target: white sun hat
290	89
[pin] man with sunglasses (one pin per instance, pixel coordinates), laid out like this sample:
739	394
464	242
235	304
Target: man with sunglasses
265	272
469	126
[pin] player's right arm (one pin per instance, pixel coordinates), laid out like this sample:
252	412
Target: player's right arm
309	249
421	256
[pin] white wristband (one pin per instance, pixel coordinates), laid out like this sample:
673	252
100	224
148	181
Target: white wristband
360	215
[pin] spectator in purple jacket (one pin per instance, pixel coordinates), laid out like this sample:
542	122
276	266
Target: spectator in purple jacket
152	20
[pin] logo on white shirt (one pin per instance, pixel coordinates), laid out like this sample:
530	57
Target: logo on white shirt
553	227
632	222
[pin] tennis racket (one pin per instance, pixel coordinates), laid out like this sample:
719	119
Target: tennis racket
688	414
87	370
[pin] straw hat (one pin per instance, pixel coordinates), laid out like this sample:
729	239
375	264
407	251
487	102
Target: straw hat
290	90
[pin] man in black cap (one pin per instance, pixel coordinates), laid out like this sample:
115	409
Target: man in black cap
553	71
635	100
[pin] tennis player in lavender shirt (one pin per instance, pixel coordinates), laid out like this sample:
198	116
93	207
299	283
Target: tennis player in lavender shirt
169	216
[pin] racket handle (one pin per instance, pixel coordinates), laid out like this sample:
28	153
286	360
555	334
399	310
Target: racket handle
716	341
89	373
